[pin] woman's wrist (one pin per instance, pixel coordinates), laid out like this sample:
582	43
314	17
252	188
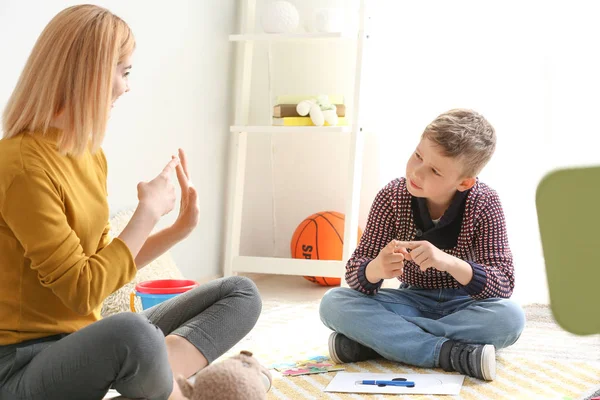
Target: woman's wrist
147	212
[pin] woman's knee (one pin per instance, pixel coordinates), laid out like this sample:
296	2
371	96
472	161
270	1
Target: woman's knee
137	336
142	354
241	286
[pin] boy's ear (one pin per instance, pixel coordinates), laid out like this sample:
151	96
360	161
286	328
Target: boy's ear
466	184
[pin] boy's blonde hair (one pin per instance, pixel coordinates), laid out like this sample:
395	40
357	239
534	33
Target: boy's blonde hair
464	134
71	69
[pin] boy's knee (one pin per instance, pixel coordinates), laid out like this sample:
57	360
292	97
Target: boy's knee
513	317
339	294
332	302
509	323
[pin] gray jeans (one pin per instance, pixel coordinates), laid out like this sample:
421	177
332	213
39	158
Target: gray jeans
127	351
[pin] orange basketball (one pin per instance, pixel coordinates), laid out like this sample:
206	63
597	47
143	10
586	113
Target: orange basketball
320	237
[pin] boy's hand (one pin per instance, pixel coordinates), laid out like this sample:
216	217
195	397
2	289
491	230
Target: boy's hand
426	255
388	264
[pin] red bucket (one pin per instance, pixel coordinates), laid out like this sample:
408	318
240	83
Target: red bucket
166	286
155	292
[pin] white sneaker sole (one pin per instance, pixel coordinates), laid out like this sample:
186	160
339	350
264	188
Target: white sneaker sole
332	354
488	362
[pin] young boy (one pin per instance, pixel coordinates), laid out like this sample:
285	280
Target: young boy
441	232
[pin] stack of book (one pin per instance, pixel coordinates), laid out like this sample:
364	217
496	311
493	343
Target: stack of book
285	114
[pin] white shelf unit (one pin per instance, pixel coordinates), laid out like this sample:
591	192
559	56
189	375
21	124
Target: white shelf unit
234	262
275	37
292	129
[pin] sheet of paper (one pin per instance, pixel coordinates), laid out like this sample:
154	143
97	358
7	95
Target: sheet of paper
310	369
345	382
112	393
312	365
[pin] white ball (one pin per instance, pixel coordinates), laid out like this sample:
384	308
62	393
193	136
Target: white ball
303	108
316	115
331	117
280	17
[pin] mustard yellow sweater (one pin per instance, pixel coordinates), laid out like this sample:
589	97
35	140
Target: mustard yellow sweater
57	261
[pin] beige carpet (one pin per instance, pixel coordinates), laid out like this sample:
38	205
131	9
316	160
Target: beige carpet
546	362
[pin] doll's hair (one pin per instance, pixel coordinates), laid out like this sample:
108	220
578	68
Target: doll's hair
70	69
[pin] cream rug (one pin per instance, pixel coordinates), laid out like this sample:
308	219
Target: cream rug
546	362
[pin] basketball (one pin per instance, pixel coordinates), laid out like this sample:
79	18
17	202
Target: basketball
320	237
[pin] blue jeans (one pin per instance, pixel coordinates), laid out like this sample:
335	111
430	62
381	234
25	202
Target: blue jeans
410	324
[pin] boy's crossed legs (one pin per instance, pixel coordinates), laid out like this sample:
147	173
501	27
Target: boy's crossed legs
427	328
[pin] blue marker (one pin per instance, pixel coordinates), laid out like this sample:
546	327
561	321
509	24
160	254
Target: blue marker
387	383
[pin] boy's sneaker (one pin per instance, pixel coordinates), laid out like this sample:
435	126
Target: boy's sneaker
475	360
344	350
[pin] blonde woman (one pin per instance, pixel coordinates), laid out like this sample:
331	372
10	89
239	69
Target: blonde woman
57	260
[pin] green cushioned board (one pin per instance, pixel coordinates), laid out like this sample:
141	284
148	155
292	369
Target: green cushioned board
568	208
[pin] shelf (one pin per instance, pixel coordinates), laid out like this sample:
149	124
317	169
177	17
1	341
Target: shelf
243	129
289	266
291	36
295	129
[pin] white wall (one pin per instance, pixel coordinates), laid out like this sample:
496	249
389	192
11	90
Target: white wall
530	67
180	97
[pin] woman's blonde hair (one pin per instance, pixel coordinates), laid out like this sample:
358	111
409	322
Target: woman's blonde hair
71	69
